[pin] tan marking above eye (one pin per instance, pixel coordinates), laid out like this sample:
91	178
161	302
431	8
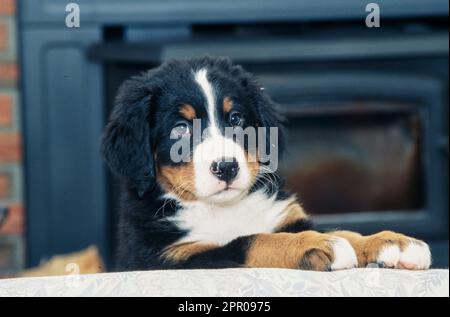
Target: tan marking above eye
188	112
227	105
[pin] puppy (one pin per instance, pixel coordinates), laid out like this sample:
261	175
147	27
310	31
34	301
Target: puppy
218	204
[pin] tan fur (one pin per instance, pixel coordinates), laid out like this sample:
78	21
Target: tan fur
253	167
306	250
227	105
293	213
88	262
358	243
182	252
178	180
188	112
368	248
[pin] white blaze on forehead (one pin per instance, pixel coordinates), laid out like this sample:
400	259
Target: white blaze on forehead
201	77
214	147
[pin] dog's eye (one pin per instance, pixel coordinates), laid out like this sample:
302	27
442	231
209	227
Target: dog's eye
236	119
181	129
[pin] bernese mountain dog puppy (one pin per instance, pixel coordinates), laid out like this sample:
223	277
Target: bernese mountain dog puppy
219	206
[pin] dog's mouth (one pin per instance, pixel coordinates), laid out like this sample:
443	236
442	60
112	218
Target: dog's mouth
226	194
224	191
227	189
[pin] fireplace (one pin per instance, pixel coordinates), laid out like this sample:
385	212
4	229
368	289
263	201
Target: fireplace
366	110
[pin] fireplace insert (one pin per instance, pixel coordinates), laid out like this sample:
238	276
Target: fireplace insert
366	110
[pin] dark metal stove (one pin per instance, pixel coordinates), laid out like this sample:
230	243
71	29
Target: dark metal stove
367	109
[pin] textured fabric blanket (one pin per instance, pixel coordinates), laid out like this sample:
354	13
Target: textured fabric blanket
236	282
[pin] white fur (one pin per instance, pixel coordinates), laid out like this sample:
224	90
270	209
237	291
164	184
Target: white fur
201	77
215	147
389	255
206	184
255	213
344	255
418	254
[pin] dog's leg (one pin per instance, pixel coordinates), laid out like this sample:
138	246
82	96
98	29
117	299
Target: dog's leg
308	250
388	249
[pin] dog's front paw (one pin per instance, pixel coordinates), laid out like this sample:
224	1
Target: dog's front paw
392	250
331	254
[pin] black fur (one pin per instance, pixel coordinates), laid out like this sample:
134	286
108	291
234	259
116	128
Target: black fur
145	110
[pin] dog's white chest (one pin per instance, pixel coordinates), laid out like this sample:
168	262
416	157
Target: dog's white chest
256	213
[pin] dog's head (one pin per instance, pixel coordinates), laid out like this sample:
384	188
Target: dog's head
171	126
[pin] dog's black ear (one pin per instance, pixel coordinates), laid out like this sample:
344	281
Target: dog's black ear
270	117
126	142
268	112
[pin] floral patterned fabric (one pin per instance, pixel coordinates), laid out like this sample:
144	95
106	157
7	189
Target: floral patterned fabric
237	282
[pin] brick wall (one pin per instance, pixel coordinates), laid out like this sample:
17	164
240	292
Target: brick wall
11	232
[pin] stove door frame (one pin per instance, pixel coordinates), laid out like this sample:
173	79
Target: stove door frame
429	95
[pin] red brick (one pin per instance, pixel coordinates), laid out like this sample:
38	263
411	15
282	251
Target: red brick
9	73
3	37
5	110
10	147
15	222
5	185
7	7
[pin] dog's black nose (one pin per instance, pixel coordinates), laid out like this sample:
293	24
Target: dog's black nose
225	169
